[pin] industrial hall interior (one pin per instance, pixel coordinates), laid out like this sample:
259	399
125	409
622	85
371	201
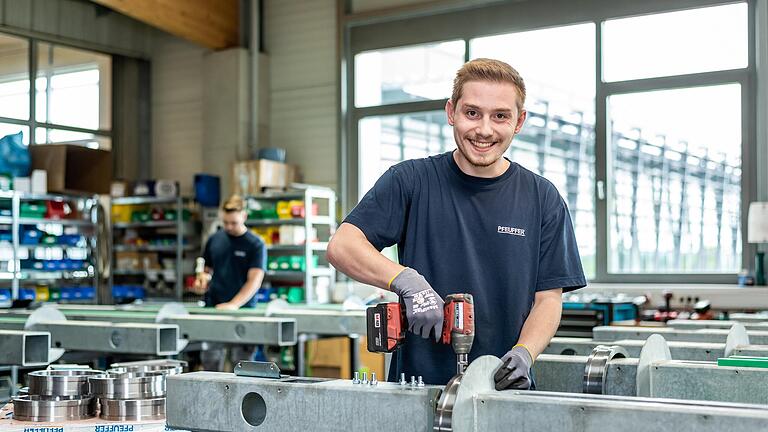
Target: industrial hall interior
383	215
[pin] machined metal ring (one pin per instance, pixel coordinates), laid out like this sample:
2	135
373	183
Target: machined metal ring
132	409
159	362
446	402
597	366
41	409
61	383
166	369
133	385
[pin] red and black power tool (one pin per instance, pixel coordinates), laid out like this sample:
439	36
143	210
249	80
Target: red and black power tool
387	326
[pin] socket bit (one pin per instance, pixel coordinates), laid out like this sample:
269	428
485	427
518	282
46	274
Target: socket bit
421	382
374	381
402	379
356	379
365	378
413	381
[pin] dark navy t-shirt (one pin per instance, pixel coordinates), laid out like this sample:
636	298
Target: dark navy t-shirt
500	239
230	258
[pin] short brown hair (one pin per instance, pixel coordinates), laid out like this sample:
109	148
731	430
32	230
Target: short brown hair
234	203
484	69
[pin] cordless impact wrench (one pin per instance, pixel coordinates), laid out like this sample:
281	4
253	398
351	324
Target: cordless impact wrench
386	325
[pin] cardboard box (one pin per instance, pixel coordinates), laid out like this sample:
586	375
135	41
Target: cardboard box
73	168
251	177
119	188
330	358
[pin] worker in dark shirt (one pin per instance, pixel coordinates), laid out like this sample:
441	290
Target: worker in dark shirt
235	262
468	221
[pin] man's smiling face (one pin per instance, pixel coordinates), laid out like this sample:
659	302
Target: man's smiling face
484	120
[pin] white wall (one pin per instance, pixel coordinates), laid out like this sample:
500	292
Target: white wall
177	109
300	40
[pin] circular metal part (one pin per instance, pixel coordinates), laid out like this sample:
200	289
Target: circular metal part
654	350
132	409
169	310
445	404
161	362
455	409
60	383
133	385
737	336
597	365
35	409
46	313
161	368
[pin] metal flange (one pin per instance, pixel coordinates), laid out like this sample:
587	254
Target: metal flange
160	368
61	383
737	337
36	409
455	409
132	409
134	385
597	366
654	350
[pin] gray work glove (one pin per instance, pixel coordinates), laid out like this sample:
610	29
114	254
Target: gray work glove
515	370
423	306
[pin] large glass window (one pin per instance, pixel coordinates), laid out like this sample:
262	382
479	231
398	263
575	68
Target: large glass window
73	94
676	43
676	165
387	140
407	74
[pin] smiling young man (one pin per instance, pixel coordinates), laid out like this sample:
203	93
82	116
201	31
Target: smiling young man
468	221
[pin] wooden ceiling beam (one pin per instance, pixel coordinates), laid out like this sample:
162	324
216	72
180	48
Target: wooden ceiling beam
213	24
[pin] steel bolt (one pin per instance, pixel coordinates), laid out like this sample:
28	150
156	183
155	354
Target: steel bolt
402	379
374	381
421	382
365	378
356	379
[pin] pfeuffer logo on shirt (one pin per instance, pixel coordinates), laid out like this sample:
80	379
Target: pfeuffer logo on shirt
511	231
239	253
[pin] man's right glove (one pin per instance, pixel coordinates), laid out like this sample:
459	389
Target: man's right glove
423	306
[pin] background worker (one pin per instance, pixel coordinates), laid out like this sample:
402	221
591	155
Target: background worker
235	262
468	221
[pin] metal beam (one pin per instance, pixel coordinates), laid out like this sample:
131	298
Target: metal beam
238	403
242	330
324	321
613	333
24	348
699	351
125	338
717	324
195	328
593	413
672	379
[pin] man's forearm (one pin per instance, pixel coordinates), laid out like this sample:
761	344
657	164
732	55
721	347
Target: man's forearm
247	291
542	322
352	254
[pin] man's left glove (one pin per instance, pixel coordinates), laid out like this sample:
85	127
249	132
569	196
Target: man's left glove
515	370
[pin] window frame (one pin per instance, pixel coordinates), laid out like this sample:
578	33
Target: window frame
31	120
360	32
